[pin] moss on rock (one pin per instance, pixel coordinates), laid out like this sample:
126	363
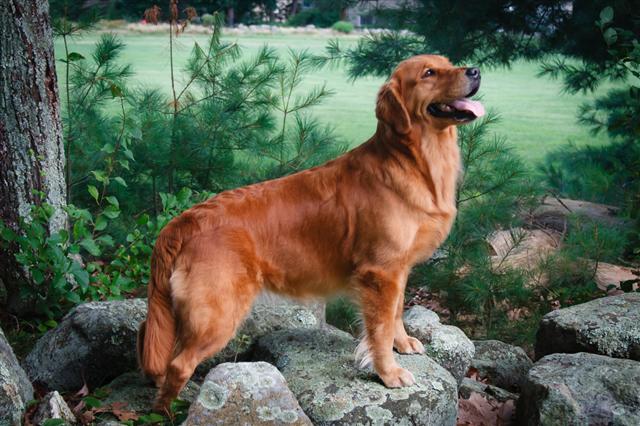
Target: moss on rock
321	371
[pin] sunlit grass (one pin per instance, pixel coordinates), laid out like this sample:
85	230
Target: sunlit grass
536	116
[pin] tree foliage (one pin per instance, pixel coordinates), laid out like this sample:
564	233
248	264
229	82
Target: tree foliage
232	121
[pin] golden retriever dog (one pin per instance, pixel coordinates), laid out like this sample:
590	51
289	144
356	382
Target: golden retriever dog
357	224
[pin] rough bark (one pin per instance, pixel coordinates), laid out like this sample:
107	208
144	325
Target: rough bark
31	149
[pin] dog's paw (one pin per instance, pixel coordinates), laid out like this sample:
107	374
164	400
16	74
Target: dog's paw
410	345
398	377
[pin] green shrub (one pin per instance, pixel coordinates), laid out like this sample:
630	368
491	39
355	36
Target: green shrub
207	20
319	18
344	314
343	27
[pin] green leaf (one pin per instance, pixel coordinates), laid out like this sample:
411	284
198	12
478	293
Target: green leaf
108	148
606	15
81	275
120	181
129	154
151	418
99	175
111	212
38	276
74	298
8	234
101	223
610	36
74	56
93	191
106	240
136	133
116	91
92	402
113	201
90	245
124	164
54	422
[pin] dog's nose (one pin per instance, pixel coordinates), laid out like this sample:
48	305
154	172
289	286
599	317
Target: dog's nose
473	73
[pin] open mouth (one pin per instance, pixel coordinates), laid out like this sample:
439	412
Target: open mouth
463	109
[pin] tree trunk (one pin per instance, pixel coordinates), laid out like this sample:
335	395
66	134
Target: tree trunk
31	146
231	17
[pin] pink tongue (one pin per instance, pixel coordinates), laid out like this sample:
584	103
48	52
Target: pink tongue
468	105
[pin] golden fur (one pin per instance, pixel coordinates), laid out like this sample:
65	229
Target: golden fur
357	223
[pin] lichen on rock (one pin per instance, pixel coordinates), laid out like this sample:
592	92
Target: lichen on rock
320	367
581	389
93	343
607	326
245	393
15	389
445	344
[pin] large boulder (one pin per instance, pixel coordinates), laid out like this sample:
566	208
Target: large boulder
581	389
320	368
246	393
15	388
608	326
139	394
95	342
501	364
445	344
269	313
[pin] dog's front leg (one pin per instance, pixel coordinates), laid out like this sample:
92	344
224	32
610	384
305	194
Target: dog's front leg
404	343
379	292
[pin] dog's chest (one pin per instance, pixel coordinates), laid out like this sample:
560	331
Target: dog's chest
430	234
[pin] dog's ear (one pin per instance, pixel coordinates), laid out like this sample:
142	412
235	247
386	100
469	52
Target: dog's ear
391	110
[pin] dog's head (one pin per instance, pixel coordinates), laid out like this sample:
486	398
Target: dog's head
428	90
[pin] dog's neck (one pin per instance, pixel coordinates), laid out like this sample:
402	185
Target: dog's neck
432	155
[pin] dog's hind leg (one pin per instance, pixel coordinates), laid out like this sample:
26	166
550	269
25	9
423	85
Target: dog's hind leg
209	306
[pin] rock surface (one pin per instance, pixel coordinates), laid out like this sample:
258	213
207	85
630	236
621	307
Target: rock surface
608	326
320	369
581	389
553	213
15	389
139	393
269	313
52	406
247	393
95	341
489	392
503	365
445	344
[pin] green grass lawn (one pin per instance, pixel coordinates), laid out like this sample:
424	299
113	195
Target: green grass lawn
536	116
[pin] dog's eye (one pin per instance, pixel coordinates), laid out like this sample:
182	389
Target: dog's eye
428	73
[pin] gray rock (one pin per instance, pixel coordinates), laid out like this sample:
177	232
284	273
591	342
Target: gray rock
52	406
15	389
320	368
607	326
489	392
446	344
95	341
139	393
269	313
581	389
247	393
504	365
